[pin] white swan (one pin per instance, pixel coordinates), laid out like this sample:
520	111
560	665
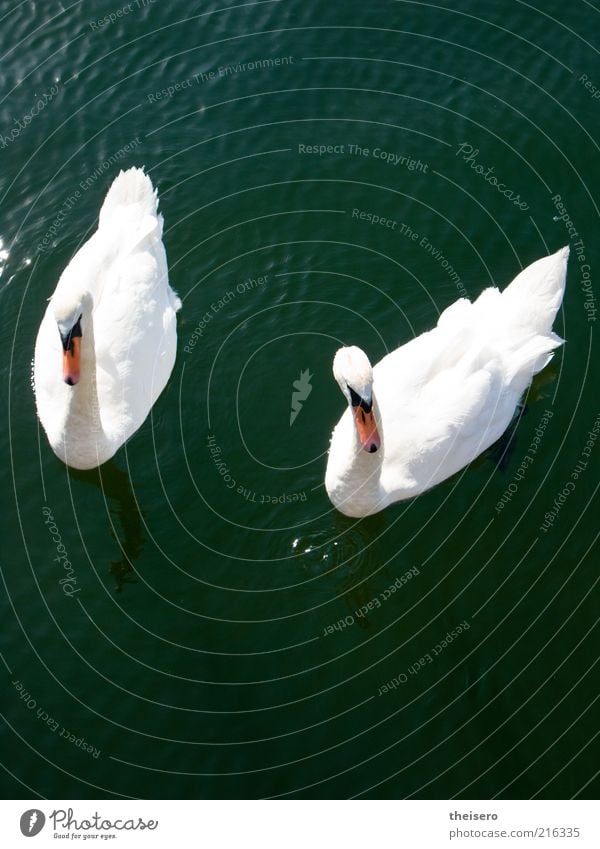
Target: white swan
429	408
111	322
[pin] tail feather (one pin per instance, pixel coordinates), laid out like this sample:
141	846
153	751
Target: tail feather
530	304
535	295
132	192
531	357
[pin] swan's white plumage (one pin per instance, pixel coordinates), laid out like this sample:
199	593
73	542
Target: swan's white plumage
118	280
447	395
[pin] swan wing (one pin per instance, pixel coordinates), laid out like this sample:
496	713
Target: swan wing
135	337
443	400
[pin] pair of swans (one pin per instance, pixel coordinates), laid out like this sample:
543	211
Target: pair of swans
424	412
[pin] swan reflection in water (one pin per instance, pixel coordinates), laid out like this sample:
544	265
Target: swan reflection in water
348	559
122	505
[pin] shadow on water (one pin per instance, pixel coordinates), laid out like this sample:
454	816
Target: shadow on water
116	487
347	556
501	452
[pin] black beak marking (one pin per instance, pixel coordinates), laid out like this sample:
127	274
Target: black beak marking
74	332
357	401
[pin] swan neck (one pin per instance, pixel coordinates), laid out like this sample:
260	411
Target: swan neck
83	409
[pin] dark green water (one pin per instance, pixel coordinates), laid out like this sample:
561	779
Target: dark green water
195	654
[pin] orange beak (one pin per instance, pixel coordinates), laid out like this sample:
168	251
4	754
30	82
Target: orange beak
367	429
71	361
